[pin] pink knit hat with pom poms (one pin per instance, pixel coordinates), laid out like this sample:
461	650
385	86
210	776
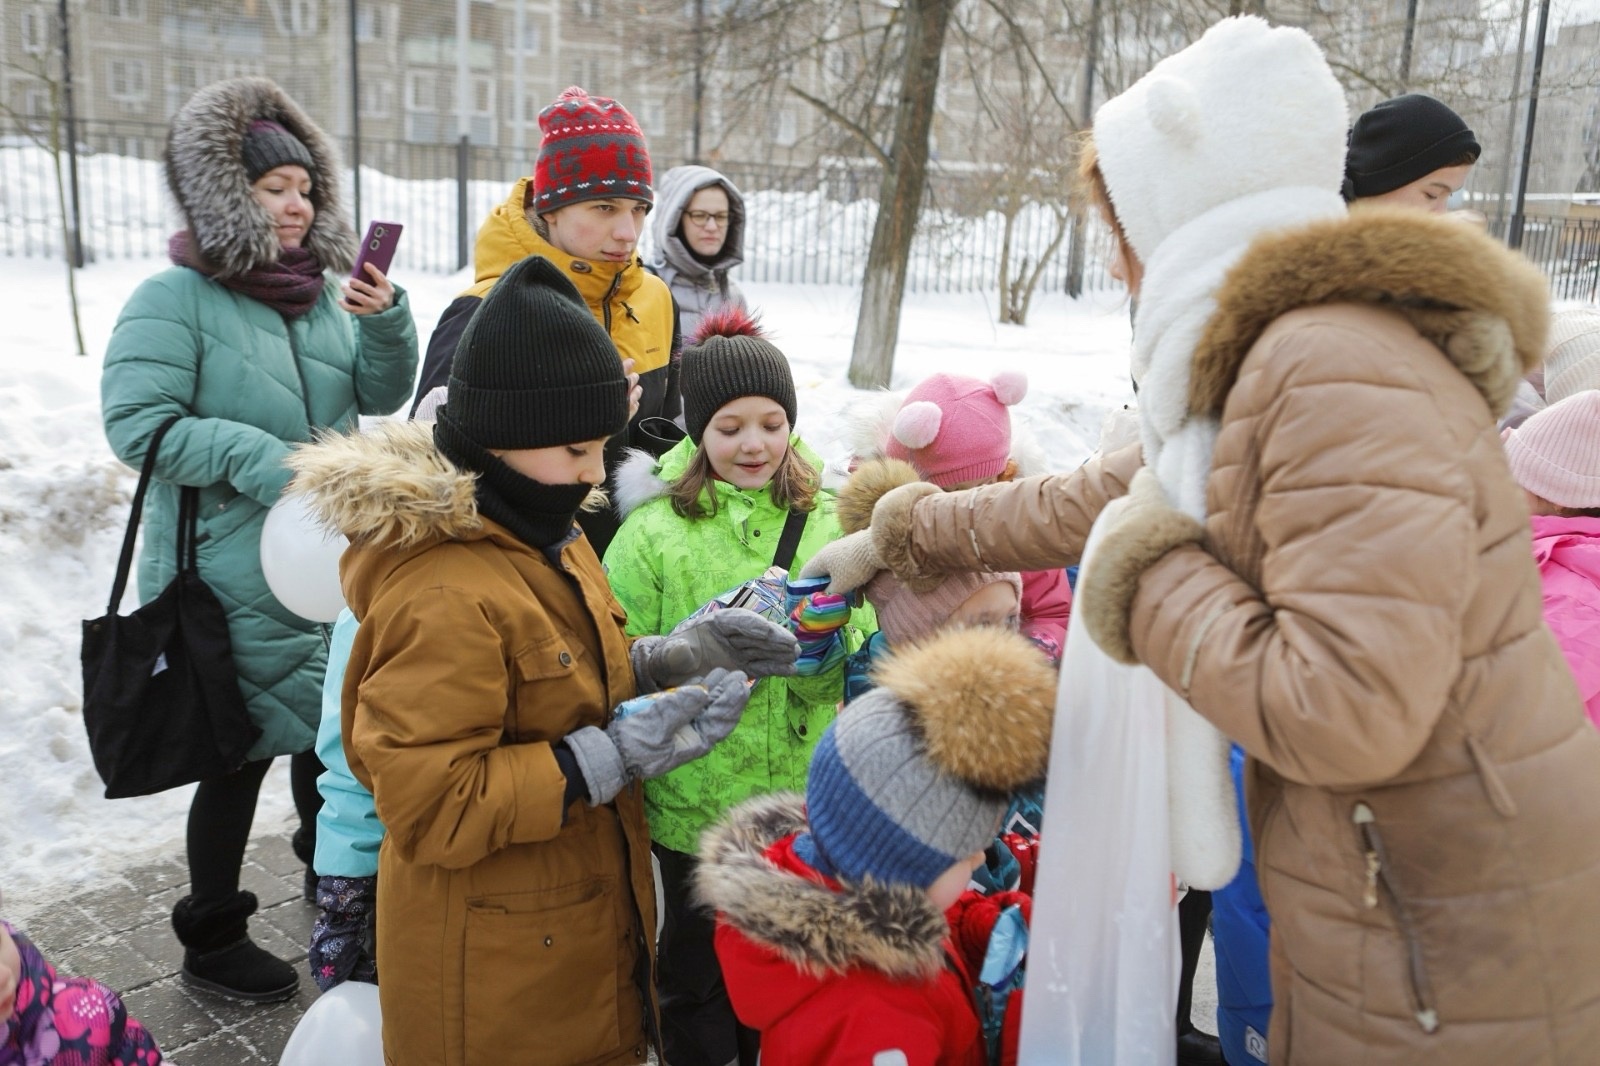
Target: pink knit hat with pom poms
955	429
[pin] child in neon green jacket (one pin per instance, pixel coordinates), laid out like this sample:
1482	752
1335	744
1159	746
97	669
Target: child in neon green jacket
705	517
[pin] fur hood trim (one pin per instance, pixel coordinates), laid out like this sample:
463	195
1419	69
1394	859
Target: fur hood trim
204	161
1485	306
636	482
894	929
388	487
871	481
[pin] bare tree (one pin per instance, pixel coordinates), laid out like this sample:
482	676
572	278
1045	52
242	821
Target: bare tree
51	138
900	196
1010	56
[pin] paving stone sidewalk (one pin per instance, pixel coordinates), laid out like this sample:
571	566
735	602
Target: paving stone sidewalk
121	934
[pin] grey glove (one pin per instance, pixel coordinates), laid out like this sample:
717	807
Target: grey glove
732	638
668	731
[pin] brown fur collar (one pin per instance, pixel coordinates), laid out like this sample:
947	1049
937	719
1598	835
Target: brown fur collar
893	929
389	486
1484	306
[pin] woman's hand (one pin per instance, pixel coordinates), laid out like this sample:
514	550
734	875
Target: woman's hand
635	390
368	297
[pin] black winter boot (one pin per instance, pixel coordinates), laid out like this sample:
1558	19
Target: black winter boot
220	957
304	843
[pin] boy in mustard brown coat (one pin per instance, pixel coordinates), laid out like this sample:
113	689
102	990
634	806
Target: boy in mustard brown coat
514	886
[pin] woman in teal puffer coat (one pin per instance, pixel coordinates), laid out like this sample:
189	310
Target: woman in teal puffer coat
250	342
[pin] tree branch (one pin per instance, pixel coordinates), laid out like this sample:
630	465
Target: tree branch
836	116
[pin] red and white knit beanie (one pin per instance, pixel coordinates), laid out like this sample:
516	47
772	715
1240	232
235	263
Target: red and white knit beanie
955	429
1556	454
592	150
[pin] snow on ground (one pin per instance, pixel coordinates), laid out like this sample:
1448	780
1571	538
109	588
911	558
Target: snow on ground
64	501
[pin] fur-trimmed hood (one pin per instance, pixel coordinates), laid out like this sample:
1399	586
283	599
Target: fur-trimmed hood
388	487
205	169
1483	305
894	929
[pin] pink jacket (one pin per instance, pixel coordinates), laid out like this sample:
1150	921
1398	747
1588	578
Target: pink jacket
1046	604
1568	553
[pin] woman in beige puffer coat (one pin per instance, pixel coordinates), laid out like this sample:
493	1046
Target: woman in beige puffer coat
1327	558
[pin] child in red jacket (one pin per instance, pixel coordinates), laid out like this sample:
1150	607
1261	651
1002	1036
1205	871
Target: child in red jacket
831	925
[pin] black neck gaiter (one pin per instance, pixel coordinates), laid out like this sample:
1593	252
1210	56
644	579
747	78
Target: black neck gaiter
539	515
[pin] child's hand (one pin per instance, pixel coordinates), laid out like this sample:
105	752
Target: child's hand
819	615
10	975
816	622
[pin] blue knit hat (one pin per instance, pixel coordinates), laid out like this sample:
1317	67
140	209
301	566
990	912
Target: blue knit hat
917	773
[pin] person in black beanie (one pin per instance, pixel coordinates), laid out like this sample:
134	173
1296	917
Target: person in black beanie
1410	151
489	701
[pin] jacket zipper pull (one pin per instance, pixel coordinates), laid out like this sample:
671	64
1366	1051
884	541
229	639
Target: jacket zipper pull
629	310
1362	816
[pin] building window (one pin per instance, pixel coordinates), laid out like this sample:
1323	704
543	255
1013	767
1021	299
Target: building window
588	10
377	98
652	117
127	79
296	18
35	30
586	74
36	103
532	39
125	10
370	23
786	128
422	91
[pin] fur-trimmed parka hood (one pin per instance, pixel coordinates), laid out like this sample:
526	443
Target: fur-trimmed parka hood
894	929
388	487
1483	305
206	173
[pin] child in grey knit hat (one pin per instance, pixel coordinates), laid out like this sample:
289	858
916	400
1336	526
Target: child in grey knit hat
831	925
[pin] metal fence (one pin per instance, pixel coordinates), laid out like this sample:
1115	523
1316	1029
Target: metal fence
805	226
1567	250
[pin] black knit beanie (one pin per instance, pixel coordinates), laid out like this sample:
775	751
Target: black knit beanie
730	357
267	145
1401	140
533	369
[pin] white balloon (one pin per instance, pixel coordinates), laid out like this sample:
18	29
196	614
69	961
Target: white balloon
344	1027
300	560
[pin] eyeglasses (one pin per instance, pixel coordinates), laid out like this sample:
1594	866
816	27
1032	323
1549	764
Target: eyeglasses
705	218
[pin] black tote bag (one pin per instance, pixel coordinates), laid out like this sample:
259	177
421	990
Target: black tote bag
161	698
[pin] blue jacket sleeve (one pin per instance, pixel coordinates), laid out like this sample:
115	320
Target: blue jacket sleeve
348	829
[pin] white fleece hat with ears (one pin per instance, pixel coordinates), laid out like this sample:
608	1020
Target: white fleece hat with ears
1248	108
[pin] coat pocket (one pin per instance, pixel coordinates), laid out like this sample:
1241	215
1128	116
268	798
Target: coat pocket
541	976
1379	883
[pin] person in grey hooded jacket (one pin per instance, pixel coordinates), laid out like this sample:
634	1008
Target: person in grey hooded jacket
697	236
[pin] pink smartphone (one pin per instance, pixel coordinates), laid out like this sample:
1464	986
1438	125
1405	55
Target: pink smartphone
377	248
